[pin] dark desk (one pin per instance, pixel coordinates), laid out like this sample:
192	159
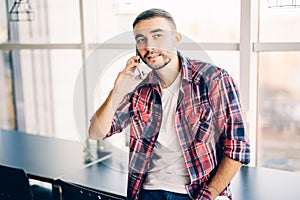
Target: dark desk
43	158
47	159
255	183
251	183
101	177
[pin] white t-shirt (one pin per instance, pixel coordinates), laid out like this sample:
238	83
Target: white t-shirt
168	170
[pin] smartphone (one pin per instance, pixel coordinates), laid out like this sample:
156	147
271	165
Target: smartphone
138	74
142	70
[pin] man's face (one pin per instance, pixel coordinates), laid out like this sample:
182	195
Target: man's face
156	41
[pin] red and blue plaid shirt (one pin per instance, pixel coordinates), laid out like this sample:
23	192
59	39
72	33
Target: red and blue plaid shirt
208	123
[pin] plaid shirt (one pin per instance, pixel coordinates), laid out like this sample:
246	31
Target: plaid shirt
208	123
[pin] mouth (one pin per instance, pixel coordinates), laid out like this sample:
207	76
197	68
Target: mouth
153	56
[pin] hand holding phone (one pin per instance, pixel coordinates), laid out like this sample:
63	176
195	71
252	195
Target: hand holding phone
142	70
139	74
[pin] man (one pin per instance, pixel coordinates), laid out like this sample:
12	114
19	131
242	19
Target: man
187	136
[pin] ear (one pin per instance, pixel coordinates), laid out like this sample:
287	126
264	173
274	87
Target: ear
178	37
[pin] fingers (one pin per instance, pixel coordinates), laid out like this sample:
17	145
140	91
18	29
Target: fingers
133	59
131	64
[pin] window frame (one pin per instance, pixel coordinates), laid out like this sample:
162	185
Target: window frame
249	48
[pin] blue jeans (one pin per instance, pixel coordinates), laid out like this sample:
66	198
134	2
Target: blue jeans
162	195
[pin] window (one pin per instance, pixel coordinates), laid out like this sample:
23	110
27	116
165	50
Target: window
6	93
7	110
280	24
3	22
205	21
48	80
54	22
278	117
39	69
229	60
278	110
41	60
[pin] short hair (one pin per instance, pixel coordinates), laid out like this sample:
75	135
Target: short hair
152	13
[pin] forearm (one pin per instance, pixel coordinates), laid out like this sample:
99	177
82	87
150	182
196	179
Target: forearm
102	119
225	173
124	83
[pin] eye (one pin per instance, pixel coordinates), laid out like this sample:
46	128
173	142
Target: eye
158	35
140	40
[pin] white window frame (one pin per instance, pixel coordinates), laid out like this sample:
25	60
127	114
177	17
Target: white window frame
249	48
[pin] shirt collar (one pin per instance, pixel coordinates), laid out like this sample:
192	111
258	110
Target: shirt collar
186	68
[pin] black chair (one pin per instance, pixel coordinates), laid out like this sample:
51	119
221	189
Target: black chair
71	191
14	185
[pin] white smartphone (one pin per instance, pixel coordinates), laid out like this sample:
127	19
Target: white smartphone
142	70
138	73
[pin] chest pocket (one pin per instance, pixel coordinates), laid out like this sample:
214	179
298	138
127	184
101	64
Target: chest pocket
139	124
145	114
198	112
200	122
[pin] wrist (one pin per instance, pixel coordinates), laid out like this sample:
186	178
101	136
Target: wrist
116	96
117	92
214	191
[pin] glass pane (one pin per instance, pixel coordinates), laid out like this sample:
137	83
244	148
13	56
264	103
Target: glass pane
281	24
54	21
203	21
3	22
279	111
6	93
91	14
229	60
48	79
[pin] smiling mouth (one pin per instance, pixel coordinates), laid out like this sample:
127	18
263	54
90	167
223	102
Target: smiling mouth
153	56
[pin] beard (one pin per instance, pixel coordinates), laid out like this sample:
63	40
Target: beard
164	59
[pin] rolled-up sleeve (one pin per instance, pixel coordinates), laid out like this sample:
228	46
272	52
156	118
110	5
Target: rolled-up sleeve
229	115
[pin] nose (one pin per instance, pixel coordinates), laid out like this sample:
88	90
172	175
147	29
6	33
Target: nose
151	44
147	47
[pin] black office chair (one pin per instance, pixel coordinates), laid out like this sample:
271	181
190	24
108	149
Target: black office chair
14	185
76	192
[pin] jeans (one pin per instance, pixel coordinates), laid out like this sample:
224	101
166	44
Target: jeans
162	195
